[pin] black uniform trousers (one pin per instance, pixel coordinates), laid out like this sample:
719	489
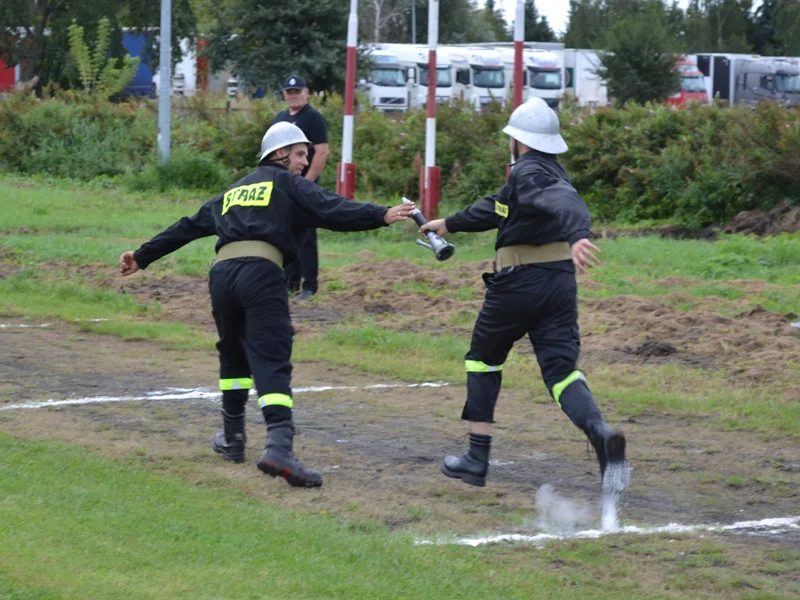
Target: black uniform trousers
541	302
250	305
306	267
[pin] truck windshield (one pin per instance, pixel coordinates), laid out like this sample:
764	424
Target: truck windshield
388	77
545	79
693	84
443	77
787	83
488	78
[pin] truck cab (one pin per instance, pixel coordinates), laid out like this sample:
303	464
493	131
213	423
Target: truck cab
386	83
787	81
542	74
479	75
693	85
414	61
754	82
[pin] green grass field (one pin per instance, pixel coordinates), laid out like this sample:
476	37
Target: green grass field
77	524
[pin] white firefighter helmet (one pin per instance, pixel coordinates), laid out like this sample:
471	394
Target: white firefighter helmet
536	125
279	136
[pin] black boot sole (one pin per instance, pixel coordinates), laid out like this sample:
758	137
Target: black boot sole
235	458
465	477
293	479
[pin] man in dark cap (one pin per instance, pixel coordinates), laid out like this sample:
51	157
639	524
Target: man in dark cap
313	124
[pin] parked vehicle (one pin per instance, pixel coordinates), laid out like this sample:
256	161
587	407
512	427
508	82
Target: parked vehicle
542	73
386	84
142	83
787	79
581	79
739	79
479	76
693	85
413	59
8	77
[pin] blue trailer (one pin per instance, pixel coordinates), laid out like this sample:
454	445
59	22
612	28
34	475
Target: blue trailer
142	83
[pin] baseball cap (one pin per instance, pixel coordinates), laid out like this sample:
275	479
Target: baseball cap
294	82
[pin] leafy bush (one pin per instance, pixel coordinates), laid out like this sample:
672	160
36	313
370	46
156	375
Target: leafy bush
186	169
695	167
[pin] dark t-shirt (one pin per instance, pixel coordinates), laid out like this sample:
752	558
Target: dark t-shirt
311	123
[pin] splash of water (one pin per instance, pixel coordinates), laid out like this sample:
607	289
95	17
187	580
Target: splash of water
615	481
560	514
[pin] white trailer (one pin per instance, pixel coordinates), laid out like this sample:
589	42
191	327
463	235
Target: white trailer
184	78
386	84
414	61
479	77
581	80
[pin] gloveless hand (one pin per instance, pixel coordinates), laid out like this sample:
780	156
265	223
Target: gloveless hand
401	212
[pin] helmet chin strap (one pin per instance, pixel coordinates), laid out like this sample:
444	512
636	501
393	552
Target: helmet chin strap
284	160
515	149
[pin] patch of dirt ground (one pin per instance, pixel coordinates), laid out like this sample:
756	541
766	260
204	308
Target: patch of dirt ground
379	450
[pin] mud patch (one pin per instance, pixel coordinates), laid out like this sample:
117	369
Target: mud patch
379	458
781	219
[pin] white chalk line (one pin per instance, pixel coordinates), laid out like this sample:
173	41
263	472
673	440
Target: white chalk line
29	325
771	526
205	394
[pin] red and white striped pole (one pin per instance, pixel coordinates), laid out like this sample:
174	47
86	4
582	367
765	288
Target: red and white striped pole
519	40
346	170
432	174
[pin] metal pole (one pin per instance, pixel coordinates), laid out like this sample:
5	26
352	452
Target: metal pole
165	80
519	41
346	170
432	174
413	21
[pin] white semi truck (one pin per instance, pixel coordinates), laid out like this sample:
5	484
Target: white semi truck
413	59
745	79
542	73
478	73
385	85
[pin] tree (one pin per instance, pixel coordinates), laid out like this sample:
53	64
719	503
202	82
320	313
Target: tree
99	72
495	22
729	21
264	41
537	29
35	32
586	25
639	64
787	27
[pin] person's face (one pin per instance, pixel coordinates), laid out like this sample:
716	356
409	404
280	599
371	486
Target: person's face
298	158
296	99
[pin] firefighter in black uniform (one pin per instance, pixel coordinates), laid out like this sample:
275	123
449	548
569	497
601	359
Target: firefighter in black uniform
256	220
543	230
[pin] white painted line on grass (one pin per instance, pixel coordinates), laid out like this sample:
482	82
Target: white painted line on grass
204	394
28	325
772	526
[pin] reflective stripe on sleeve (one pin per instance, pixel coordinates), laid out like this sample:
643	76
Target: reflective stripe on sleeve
559	388
275	400
476	366
237	383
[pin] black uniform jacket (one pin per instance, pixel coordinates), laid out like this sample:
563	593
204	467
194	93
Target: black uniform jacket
270	204
537	206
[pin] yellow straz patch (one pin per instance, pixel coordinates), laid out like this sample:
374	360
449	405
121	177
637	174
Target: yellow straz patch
255	194
501	209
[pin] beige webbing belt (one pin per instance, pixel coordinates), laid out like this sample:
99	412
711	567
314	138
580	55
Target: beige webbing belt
250	248
514	256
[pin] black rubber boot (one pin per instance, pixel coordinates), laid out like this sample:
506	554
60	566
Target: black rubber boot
609	444
278	458
472	466
231	441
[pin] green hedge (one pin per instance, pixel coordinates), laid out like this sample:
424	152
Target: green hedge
695	167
